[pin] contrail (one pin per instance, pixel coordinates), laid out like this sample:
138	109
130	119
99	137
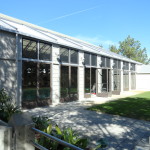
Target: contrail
67	15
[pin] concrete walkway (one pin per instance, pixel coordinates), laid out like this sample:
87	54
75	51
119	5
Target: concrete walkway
120	133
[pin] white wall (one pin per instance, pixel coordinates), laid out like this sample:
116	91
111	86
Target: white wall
143	81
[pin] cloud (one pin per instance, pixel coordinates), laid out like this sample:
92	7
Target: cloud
97	40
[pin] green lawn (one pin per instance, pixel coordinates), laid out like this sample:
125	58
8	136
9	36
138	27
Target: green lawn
137	106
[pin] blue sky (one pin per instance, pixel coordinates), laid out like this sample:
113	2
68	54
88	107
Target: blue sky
101	22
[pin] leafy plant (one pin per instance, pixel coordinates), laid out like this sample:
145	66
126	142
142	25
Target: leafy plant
66	134
7	109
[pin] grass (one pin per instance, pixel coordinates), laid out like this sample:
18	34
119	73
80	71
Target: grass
137	106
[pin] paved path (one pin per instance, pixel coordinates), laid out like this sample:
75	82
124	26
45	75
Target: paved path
121	133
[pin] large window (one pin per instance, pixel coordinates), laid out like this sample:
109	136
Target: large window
35	75
133	81
68	83
36	81
90	81
68	56
29	49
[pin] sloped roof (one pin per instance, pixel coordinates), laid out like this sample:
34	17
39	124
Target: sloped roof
24	28
143	69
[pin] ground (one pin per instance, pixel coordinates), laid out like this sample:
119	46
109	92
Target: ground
121	133
137	107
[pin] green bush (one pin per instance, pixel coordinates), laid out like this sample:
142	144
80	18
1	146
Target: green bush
7	109
66	134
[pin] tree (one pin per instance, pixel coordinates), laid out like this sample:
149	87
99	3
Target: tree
132	49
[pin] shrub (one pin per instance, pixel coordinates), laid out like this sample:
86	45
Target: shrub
7	109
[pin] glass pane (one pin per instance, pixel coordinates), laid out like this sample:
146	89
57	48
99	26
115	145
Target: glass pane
87	80
108	62
64	81
74	56
116	80
29	49
73	89
64	55
29	81
133	81
45	52
132	67
103	62
93	80
125	80
87	59
119	64
44	81
104	80
115	64
94	60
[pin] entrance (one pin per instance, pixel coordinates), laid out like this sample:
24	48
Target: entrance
105	85
90	82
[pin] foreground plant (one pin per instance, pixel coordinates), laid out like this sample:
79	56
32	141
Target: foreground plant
66	134
7	109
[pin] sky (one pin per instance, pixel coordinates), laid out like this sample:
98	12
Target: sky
100	22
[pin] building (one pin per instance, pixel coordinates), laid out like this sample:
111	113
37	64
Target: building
39	66
143	77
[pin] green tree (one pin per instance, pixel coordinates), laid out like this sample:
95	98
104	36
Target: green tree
132	49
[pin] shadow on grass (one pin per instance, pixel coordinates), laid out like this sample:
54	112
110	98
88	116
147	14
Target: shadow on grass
132	107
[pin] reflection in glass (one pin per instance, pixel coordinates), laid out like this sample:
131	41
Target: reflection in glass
74	56
94	60
93	80
64	81
29	82
29	49
45	52
64	55
44	81
125	80
87	59
73	89
87	80
116	80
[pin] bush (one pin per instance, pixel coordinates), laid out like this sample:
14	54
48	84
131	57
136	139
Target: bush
7	109
66	134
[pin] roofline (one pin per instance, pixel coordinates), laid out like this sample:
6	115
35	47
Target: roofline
2	16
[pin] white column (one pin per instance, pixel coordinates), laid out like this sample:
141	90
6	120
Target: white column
81	76
55	75
112	79
129	77
121	77
99	77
